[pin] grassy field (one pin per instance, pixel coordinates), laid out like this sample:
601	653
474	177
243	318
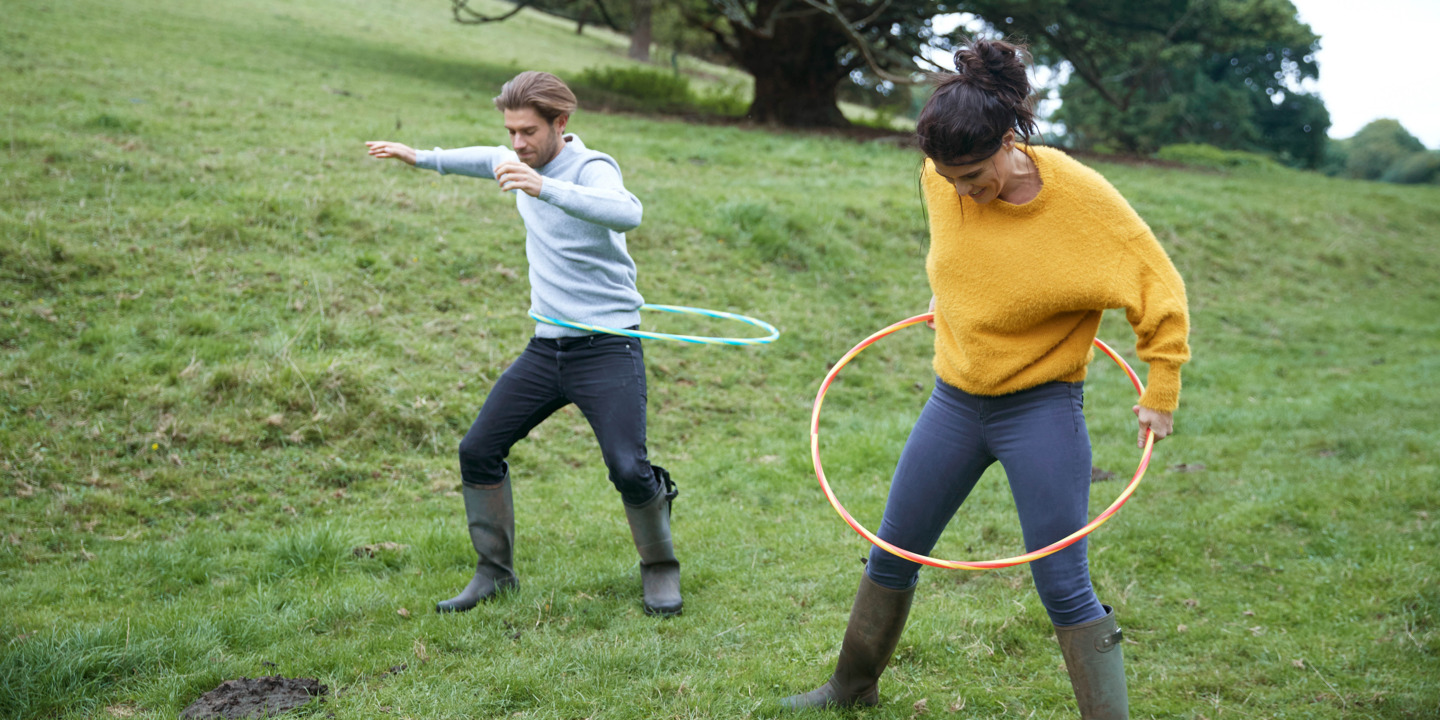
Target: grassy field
233	349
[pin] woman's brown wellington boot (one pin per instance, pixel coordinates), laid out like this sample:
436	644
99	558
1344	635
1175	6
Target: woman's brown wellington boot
876	621
1096	667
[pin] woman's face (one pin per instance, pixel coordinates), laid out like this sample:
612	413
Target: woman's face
978	181
983	180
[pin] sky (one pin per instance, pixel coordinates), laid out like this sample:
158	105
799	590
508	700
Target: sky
1377	60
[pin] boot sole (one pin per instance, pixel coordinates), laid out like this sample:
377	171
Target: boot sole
664	612
500	587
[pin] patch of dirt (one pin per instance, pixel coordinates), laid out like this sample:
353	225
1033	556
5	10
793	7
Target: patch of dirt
377	548
258	698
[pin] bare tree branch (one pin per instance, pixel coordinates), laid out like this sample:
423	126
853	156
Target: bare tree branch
1083	66
473	17
864	46
739	15
876	14
604	14
937	66
736	13
1154	60
708	25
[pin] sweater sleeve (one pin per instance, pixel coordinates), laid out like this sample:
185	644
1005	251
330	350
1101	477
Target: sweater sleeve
472	161
1156	307
599	197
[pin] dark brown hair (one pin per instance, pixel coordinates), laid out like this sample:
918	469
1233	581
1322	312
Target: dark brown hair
966	119
549	95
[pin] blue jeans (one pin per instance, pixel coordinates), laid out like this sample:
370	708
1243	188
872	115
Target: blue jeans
1039	437
604	375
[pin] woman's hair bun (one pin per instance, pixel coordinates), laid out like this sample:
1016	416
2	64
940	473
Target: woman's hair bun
996	67
972	109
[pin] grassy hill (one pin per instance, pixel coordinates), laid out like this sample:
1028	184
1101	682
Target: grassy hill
233	348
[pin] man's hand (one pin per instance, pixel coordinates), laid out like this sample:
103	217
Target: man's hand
1160	423
387	149
519	176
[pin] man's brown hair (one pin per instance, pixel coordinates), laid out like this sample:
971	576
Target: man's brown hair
549	95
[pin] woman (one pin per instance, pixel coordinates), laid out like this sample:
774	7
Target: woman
1028	248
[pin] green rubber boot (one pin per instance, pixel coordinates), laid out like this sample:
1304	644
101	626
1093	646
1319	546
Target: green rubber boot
1097	669
876	622
659	569
490	514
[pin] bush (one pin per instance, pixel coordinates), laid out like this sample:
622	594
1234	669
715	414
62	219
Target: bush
1379	147
1337	157
642	88
884	118
1415	169
1213	157
726	100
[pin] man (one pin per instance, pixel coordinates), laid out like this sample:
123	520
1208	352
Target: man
576	211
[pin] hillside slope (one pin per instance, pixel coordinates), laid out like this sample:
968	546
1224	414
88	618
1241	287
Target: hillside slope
233	348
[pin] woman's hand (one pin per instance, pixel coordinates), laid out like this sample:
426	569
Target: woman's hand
386	149
1160	423
931	322
519	176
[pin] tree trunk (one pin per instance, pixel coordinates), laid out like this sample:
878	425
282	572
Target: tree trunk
796	70
580	20
640	34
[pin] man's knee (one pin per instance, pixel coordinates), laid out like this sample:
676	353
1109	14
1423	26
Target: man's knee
634	478
480	465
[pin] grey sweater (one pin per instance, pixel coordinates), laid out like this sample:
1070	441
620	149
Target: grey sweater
574	233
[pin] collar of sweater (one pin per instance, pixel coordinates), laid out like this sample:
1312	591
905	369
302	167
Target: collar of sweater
565	157
1044	159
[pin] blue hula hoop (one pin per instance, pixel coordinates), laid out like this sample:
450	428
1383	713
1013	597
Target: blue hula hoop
677	310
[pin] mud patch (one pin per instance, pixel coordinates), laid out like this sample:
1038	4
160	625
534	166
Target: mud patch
258	698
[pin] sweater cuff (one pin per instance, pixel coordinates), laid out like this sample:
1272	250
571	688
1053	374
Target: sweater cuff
1162	387
552	190
428	160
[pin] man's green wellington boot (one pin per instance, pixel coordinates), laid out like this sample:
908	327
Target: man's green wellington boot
659	570
490	513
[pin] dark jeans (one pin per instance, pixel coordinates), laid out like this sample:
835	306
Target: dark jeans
1039	437
604	375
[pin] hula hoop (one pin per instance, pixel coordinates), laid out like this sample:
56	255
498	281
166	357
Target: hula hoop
960	564
676	310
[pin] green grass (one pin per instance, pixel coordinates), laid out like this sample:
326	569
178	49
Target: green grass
233	348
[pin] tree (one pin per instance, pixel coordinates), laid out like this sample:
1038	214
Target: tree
641	12
1148	73
1378	147
1295	129
578	10
1422	167
799	51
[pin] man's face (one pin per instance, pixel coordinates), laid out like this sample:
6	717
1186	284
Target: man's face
535	141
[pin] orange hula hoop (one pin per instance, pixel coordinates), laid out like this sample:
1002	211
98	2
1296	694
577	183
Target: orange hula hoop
1050	549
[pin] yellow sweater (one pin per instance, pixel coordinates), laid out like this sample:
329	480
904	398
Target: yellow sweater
1019	289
